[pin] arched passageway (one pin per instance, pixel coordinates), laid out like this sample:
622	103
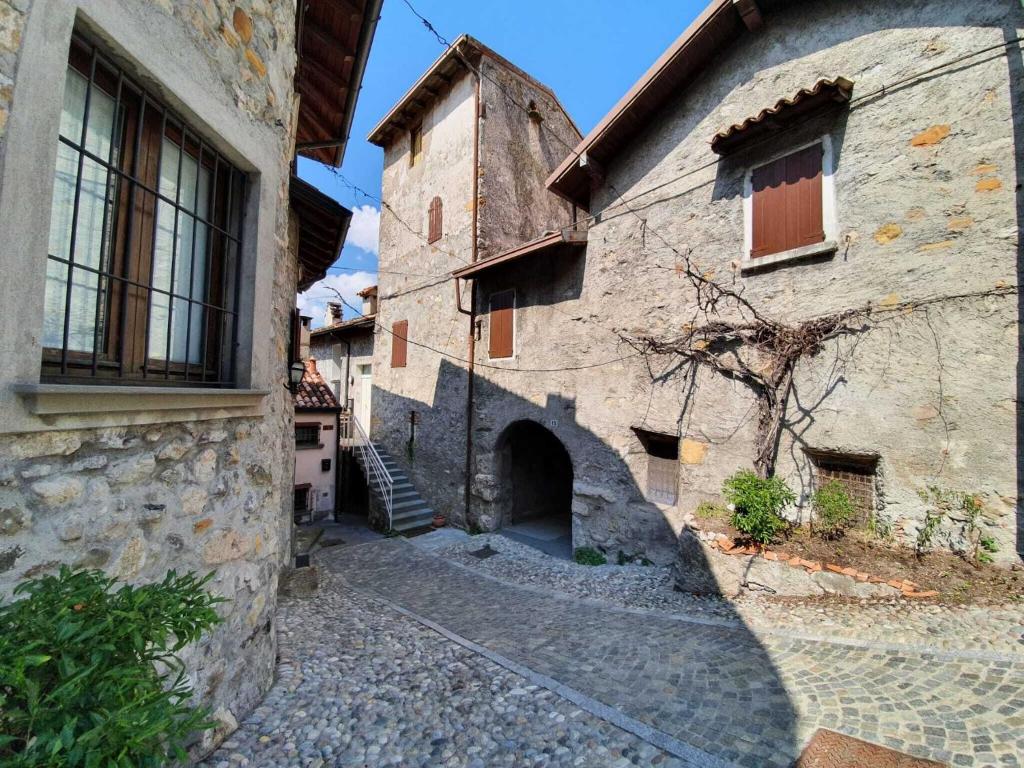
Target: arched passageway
536	487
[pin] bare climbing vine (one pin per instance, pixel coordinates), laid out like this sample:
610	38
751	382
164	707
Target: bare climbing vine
762	353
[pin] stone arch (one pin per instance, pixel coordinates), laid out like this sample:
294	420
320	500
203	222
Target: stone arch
535	475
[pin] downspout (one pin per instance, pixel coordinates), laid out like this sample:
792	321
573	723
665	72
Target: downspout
342	477
348	367
337	464
472	307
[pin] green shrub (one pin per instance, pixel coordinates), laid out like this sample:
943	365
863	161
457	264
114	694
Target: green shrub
89	674
758	503
833	510
588	556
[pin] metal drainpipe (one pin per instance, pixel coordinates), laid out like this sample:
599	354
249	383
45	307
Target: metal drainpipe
472	308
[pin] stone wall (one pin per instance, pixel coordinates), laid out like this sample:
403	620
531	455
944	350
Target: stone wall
517	153
133	492
925	186
514	159
137	502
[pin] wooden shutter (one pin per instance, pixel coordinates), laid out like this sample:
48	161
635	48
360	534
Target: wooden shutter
399	343
502	321
434	220
787	203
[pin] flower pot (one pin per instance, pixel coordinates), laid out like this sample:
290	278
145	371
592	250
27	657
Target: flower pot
439	521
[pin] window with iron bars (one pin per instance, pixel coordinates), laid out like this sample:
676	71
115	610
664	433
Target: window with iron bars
142	278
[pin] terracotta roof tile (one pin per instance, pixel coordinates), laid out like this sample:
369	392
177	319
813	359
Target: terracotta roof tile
313	391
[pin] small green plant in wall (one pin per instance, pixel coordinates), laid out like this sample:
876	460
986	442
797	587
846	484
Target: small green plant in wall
959	508
758	504
89	672
834	512
588	556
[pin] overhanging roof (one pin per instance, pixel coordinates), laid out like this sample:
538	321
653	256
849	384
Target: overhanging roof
323	225
333	43
436	80
721	22
823	95
363	323
546	244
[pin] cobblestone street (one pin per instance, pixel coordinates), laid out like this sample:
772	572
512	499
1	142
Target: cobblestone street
519	677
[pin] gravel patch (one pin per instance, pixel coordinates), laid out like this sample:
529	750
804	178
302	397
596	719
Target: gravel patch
998	629
361	685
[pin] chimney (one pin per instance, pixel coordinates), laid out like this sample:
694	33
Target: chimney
304	336
333	314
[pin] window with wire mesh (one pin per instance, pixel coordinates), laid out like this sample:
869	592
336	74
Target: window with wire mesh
855	473
307	435
662	466
142	273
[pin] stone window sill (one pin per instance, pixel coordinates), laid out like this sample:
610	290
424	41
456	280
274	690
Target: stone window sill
826	248
55	401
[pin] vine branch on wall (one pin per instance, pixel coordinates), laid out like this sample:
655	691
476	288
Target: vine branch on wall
763	353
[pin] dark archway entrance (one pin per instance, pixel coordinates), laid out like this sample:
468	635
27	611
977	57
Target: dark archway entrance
536	488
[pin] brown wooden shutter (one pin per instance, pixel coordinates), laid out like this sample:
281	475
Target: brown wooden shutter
434	220
501	324
787	203
399	343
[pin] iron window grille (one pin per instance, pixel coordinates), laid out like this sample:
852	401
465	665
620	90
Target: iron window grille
144	257
307	435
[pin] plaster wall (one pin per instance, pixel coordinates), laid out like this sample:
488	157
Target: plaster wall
125	481
308	468
926	202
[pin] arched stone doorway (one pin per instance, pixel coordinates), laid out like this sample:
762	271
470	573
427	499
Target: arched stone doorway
535	498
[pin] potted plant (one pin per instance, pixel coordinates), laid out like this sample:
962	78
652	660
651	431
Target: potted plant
439	520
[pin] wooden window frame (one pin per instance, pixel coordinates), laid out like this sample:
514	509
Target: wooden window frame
828	210
121	351
400	344
435	217
512	325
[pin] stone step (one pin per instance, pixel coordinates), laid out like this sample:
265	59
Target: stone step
413	502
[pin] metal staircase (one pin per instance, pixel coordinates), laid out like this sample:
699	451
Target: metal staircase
406	510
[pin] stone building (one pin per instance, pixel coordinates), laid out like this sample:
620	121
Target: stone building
812	157
145	176
464	167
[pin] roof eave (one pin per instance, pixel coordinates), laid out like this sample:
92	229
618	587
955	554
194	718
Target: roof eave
572	182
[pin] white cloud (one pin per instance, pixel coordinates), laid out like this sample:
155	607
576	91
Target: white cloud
364	231
314	301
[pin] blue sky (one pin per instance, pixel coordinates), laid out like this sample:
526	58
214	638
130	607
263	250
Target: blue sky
589	53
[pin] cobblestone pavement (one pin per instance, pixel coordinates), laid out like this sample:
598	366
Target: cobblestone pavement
741	696
359	684
895	621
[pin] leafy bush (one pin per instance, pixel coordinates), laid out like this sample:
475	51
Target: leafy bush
833	510
89	675
588	556
757	504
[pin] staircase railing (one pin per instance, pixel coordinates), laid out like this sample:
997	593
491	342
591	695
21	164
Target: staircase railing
377	475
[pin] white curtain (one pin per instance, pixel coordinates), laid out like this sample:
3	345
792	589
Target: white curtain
96	194
193	196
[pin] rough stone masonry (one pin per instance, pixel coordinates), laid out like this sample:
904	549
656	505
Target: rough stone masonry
925	203
137	492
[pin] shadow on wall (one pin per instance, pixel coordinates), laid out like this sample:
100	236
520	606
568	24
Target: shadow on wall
526	456
1015	65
